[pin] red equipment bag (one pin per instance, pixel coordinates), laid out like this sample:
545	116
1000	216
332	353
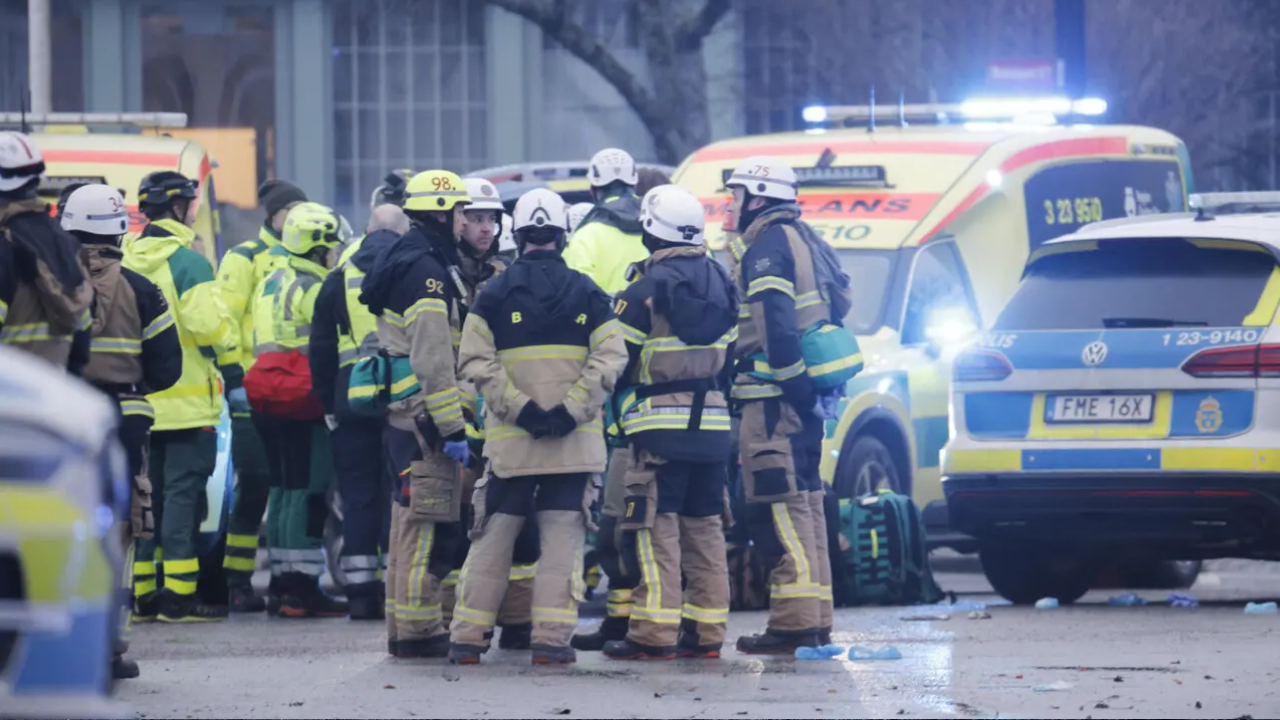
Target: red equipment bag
279	385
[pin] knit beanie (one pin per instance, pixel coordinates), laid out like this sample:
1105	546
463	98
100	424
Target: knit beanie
276	194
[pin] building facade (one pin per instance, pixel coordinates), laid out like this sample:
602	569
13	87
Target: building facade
338	92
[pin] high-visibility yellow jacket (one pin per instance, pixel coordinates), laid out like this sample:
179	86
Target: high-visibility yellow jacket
240	273
608	243
210	342
283	310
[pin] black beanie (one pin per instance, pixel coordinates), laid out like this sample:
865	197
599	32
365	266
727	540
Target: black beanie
276	194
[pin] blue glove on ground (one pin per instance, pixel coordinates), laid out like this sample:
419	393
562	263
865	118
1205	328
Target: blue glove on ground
459	450
238	399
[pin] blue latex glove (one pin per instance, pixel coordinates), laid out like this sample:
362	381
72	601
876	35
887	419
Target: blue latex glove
824	408
238	399
459	450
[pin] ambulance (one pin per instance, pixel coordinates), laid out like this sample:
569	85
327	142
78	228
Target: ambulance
75	151
567	179
933	210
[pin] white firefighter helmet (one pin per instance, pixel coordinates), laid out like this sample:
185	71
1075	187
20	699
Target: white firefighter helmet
612	164
672	214
578	213
765	177
484	196
20	160
506	239
96	209
540	208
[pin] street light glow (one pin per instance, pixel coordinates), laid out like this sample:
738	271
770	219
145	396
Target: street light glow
815	114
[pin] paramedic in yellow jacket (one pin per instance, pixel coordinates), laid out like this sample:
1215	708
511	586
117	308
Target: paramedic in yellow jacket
608	241
287	413
413	293
184	441
240	274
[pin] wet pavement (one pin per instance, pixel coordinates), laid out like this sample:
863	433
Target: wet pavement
1090	660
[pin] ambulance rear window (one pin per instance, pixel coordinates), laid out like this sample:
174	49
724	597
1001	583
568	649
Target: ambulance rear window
1147	283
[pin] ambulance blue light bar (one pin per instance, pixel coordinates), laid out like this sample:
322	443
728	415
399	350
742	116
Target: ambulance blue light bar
1030	110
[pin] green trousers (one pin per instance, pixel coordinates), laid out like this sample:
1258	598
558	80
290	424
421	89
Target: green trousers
180	464
253	482
302	472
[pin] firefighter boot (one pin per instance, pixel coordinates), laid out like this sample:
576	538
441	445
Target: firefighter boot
306	599
242	599
628	649
688	646
612	628
768	643
516	637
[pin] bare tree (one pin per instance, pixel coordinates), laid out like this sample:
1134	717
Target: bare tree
674	107
1191	67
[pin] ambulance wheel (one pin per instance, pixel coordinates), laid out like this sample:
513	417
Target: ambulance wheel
1023	572
866	467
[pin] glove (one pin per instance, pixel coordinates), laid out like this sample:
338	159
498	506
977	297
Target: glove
533	420
560	422
830	405
458	450
824	407
331	422
238	399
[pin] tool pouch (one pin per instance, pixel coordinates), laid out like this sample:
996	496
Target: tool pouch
640	503
435	490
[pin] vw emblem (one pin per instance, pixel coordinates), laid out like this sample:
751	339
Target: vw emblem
1094	353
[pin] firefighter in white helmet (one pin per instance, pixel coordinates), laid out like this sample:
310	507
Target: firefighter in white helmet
608	241
784	271
543	347
578	213
679	318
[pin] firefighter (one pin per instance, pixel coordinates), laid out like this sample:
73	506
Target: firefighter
45	291
679	319
483	223
135	351
544	349
240	273
288	415
343	330
782	415
412	293
184	441
608	241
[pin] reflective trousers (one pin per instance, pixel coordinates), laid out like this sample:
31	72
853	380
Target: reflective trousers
789	530
366	494
682	532
517	605
421	553
616	557
179	467
253	483
560	505
302	473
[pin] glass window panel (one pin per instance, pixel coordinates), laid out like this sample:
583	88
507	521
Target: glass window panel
475	23
426	87
343	134
370	131
478	140
368	76
451	15
452	89
397	76
424	137
368	16
397	129
341	14
477	80
343	80
451	132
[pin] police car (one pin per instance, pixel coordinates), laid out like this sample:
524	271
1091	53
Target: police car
1125	404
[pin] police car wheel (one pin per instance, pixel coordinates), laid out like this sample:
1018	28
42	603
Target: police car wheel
866	468
1023	572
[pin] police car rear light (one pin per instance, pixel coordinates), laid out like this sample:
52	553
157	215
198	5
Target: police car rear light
981	366
1238	362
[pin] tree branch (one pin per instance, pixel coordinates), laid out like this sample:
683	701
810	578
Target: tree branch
690	34
573	38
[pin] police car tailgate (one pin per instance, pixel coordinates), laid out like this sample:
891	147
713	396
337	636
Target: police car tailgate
1141	369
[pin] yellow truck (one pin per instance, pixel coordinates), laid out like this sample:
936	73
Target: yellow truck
934	222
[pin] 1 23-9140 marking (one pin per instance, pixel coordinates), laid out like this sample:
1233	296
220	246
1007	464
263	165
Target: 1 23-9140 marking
1211	337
